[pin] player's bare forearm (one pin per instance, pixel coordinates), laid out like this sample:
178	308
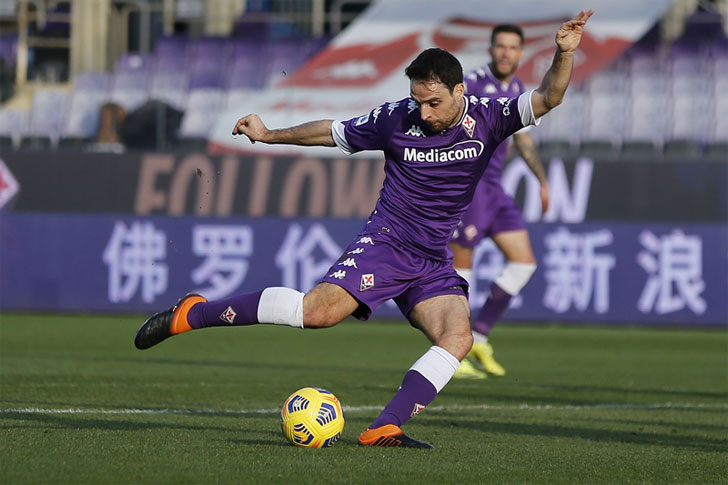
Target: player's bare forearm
551	91
313	133
553	86
527	148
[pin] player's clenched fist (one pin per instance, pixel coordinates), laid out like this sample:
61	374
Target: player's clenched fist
252	127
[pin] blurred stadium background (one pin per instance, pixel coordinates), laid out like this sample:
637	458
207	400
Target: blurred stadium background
117	115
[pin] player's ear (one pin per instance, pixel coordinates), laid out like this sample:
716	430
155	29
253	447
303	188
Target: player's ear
459	90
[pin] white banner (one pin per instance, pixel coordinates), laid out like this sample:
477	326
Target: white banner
364	66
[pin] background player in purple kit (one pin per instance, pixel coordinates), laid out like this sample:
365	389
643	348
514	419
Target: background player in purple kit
436	144
493	213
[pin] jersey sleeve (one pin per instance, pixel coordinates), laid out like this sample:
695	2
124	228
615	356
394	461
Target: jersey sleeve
509	115
364	132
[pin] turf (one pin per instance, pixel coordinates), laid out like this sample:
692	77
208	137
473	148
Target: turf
79	404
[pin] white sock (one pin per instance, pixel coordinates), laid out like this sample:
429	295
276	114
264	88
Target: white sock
281	306
437	366
479	338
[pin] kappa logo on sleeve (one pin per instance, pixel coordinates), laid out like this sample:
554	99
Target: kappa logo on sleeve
367	281
339	275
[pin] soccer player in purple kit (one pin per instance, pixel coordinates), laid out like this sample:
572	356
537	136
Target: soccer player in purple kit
493	213
437	144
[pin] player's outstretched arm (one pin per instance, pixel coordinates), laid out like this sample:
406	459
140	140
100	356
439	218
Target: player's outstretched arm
551	91
313	133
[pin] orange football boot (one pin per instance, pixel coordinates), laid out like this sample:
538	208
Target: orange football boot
163	325
390	435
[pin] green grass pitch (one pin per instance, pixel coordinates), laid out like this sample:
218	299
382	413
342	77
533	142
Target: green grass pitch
79	404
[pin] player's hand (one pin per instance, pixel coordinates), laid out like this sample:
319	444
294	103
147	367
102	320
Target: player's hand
569	35
544	197
252	127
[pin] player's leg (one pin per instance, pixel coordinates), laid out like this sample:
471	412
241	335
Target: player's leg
472	229
324	306
520	265
445	319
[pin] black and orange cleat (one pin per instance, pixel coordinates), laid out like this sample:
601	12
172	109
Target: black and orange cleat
164	324
390	435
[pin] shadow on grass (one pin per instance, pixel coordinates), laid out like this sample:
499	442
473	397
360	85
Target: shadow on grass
596	435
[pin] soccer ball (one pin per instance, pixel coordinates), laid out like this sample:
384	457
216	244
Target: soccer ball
312	418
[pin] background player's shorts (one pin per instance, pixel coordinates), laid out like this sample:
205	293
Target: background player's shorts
491	212
374	271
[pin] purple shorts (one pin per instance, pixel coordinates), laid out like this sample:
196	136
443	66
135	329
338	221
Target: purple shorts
373	270
491	212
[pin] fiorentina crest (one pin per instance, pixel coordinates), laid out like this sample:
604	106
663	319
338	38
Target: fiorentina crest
228	315
469	125
417	409
367	281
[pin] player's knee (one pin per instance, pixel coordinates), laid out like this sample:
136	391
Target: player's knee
457	340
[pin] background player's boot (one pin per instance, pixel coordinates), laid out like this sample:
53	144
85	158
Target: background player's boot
468	371
164	324
390	435
483	354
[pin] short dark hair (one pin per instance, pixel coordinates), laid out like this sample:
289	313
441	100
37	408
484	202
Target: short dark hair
510	28
436	64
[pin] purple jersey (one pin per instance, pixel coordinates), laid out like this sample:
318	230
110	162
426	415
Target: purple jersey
482	82
430	177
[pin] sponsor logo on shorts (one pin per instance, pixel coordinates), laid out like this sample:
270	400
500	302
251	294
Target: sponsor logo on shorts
367	281
417	409
339	275
228	315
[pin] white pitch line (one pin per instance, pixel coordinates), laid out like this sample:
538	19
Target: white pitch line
354	409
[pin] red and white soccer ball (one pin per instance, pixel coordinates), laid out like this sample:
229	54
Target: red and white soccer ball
312	418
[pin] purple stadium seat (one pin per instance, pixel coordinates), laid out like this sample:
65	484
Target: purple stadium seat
604	119
92	81
246	73
172	46
689	117
719	122
170	87
284	58
607	82
249	49
648	83
47	114
209	48
207	73
565	121
130	81
82	114
646	119
134	63
12	124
